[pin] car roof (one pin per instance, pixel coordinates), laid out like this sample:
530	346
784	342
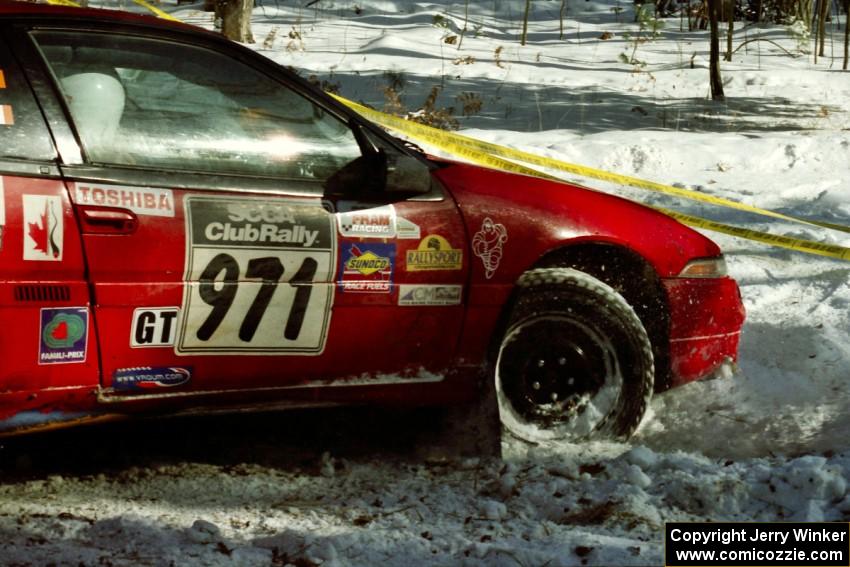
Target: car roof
30	10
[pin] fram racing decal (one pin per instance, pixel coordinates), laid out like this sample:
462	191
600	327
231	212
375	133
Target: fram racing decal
367	267
376	222
434	253
251	265
148	377
43	228
487	245
63	335
432	295
153	327
140	200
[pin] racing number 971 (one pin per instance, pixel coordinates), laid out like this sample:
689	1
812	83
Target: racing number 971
257	277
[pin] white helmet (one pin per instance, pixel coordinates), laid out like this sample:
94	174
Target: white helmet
96	101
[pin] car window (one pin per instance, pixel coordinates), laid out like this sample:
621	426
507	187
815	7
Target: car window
23	133
149	102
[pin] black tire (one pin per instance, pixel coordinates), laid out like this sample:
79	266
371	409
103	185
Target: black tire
575	361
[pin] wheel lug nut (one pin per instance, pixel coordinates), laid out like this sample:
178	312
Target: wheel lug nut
535	386
562	361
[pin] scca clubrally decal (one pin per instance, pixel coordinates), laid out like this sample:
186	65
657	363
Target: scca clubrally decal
259	276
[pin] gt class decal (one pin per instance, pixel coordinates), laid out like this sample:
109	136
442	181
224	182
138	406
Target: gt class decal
63	335
434	253
257	275
140	200
367	267
148	377
43	229
153	327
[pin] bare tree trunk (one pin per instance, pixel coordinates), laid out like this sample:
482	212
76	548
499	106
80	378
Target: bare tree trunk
465	24
822	13
714	52
525	22
730	28
236	20
563	13
846	32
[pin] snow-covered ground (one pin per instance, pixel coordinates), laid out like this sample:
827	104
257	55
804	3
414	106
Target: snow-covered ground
772	443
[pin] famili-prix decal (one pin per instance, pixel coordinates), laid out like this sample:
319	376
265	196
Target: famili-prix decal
434	253
433	295
43	228
150	377
153	327
63	335
251	264
367	267
487	245
140	200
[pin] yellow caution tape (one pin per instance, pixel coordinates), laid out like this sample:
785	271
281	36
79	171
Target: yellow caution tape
157	11
796	244
147	5
453	143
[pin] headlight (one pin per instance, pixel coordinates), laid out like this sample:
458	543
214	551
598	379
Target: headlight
705	268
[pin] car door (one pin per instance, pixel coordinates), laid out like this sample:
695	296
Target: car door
47	344
217	257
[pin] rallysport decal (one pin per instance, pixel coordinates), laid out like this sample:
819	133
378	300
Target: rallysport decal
63	335
367	267
43	228
432	295
149	378
140	200
487	245
153	327
434	253
250	270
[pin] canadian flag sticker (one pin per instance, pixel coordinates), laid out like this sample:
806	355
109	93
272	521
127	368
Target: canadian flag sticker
43	229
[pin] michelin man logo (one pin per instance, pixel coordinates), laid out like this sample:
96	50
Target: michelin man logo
487	245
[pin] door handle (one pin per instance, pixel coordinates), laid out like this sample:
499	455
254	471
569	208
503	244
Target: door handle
107	220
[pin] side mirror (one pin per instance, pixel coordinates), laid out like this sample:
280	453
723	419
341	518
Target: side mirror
406	174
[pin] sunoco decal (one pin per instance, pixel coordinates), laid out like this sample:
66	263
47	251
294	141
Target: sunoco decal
367	267
63	335
487	245
251	265
43	229
377	222
434	253
153	327
140	200
433	295
150	378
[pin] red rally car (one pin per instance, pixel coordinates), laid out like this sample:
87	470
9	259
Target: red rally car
189	227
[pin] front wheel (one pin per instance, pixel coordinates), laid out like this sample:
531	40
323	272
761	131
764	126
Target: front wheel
575	361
